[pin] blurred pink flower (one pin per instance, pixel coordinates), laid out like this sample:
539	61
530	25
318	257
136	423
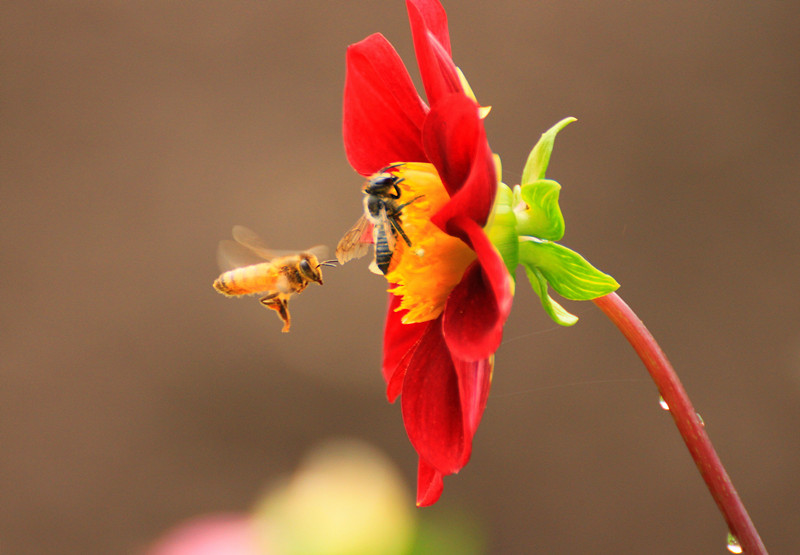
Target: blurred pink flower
220	534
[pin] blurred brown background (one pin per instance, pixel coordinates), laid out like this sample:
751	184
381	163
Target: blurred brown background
135	134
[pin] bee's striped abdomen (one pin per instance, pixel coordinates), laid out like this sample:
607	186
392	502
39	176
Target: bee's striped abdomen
246	281
383	253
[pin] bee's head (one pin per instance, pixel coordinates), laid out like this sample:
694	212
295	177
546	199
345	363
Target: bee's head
384	184
309	268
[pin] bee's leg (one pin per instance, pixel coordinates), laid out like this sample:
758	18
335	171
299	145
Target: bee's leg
280	305
399	229
399	208
395	219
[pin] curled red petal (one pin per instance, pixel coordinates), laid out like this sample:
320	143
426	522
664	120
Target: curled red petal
383	114
429	484
455	142
477	308
436	67
474	381
431	405
434	19
399	341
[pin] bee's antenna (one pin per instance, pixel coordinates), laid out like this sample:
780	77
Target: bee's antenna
391	167
330	263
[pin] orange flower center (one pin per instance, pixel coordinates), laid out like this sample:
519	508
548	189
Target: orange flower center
425	272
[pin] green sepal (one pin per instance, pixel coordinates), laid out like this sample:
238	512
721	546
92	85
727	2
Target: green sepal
502	227
542	215
551	307
567	272
539	157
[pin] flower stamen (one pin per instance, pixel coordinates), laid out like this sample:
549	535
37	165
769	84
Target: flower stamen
425	273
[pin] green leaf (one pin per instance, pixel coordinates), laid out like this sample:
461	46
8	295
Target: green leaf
567	272
539	157
552	308
502	228
542	216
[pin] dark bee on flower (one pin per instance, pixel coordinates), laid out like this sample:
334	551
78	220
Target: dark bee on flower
383	213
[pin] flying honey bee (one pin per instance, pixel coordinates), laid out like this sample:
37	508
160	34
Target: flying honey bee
382	212
251	268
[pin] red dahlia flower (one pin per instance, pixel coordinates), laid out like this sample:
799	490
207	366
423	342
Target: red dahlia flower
450	290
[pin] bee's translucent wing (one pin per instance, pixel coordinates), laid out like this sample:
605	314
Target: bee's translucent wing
246	250
320	251
250	239
231	255
352	245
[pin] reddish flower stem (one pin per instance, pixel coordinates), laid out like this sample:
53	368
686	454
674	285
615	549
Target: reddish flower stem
687	420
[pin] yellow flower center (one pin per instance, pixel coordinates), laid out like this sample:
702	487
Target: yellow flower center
425	272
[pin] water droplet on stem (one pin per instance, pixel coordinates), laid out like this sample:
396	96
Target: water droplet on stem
733	544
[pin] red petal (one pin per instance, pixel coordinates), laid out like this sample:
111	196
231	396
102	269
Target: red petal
439	75
455	142
429	484
474	380
434	19
383	113
478	306
399	341
431	405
